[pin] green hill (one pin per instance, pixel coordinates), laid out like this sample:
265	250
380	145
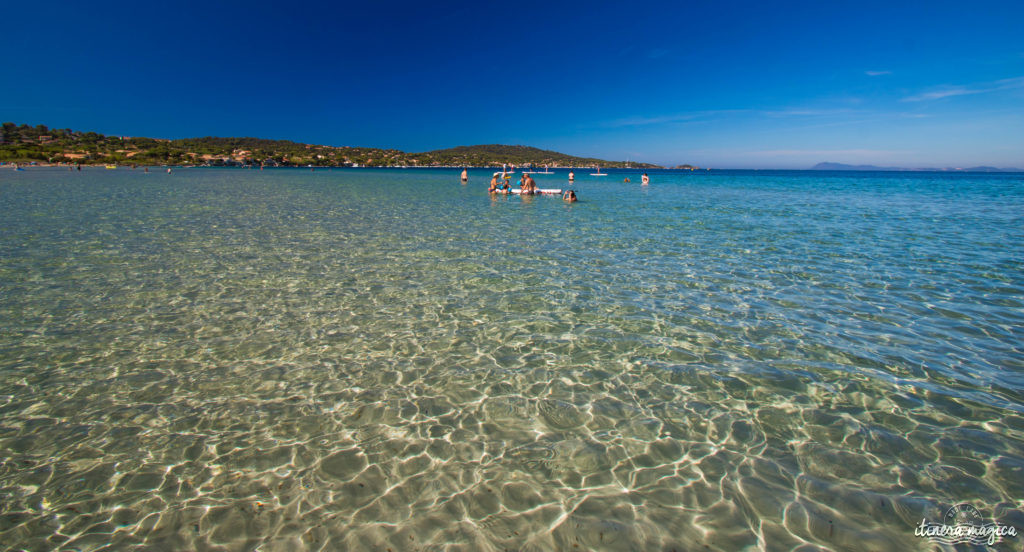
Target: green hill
496	154
41	144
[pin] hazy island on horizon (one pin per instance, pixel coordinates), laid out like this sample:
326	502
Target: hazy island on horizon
829	166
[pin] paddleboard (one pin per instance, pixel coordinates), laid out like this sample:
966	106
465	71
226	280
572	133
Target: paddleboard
541	191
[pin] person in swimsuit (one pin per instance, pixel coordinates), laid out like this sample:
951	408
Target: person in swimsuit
571	176
531	186
494	185
465	176
569	196
644	179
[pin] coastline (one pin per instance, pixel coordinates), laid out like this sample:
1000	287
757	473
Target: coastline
616	170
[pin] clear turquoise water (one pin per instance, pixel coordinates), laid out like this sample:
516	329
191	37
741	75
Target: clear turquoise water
369	359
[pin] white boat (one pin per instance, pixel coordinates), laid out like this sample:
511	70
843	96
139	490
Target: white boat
599	173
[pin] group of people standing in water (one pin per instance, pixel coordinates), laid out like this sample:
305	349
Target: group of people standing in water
497	188
527	186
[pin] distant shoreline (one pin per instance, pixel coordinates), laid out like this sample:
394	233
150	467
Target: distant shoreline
24	144
617	170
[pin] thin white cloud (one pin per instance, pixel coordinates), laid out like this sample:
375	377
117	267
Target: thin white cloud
877	73
715	113
944	92
672	118
644	121
948	91
803	112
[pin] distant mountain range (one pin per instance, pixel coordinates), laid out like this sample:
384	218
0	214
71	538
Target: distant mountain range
844	167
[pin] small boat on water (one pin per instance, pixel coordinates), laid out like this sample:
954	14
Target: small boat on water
111	167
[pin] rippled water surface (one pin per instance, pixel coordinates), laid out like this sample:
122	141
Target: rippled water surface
370	359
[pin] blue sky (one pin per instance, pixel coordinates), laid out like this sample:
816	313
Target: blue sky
721	84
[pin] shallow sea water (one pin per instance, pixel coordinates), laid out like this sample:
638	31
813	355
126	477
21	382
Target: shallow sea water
388	359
